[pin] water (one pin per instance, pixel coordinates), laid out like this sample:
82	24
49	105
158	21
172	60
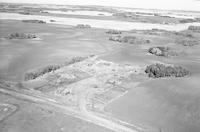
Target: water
104	24
176	14
179	16
87	13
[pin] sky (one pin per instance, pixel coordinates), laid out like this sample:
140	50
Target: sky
193	5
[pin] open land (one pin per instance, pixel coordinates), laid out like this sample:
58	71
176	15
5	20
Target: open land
82	76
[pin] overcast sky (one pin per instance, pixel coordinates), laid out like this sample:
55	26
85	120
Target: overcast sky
154	4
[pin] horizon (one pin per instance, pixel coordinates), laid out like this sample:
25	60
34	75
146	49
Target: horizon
187	5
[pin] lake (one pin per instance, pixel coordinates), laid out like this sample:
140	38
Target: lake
86	13
104	24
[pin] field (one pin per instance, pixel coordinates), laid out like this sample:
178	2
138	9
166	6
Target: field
56	44
81	78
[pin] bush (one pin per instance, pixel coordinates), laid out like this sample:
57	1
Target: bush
126	15
187	35
188	42
129	39
194	28
114	32
35	73
197	19
30	75
74	60
25	13
160	70
115	38
52	20
34	21
162	51
187	20
83	26
159	51
21	36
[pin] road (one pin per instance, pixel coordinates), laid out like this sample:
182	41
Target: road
85	115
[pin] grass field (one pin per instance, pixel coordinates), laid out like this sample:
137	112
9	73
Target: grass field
110	76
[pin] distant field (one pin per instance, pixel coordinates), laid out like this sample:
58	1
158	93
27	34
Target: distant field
110	82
